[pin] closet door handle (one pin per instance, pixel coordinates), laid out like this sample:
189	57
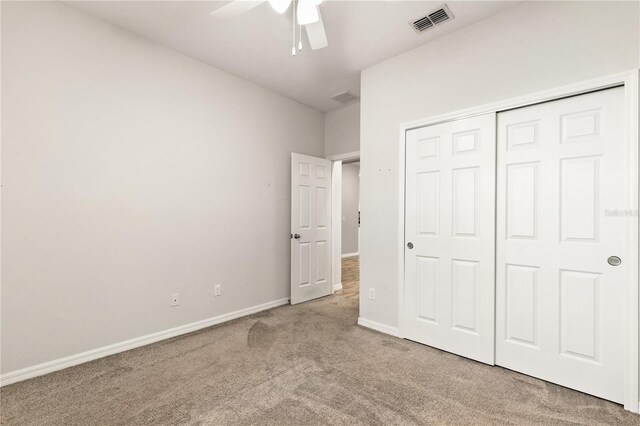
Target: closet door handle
614	261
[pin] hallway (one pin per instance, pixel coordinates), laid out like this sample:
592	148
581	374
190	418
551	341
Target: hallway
350	277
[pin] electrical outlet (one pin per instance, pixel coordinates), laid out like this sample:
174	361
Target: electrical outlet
372	293
175	299
217	290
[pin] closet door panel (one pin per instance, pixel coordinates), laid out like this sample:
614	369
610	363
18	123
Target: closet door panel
559	303
450	233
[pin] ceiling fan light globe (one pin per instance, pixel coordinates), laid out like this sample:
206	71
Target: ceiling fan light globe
280	6
307	13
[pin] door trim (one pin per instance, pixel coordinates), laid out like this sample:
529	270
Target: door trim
348	156
630	81
336	213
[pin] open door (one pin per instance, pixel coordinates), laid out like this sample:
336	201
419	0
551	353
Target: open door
310	228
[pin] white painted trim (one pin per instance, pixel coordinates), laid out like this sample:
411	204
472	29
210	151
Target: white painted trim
348	156
81	358
357	253
632	101
336	220
630	80
401	234
382	328
337	287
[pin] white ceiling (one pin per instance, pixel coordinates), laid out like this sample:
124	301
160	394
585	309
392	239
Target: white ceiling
257	45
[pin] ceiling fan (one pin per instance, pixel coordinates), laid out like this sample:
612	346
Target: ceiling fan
306	13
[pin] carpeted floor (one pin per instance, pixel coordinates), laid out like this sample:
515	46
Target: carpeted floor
296	365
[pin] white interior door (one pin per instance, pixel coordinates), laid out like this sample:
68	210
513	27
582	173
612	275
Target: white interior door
310	228
450	235
560	305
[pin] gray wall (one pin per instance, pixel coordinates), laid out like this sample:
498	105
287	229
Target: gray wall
131	172
342	130
350	200
530	47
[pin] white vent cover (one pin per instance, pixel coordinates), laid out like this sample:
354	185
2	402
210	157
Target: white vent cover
438	16
345	97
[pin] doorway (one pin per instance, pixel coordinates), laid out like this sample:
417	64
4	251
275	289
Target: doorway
325	237
345	214
350	232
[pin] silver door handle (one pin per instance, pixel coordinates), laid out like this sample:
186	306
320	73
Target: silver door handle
614	261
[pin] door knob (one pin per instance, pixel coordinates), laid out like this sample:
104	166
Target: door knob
410	245
614	261
296	236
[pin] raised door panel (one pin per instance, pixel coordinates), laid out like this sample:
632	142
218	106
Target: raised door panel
304	271
466	200
466	142
522	200
428	185
579	192
579	319
304	192
321	262
522	135
521	304
428	148
580	126
465	295
322	201
427	288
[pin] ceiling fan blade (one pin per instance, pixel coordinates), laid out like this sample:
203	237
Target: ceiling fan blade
315	33
235	8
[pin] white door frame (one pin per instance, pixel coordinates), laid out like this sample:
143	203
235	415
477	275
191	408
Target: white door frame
336	213
629	80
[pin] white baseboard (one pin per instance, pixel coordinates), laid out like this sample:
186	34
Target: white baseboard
337	287
81	358
351	254
382	328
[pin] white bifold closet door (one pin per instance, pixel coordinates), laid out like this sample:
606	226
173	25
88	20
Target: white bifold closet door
560	304
449	237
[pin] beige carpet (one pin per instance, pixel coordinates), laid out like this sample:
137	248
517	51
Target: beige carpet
297	365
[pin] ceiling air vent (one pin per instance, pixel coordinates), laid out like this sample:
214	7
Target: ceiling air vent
345	97
422	24
436	17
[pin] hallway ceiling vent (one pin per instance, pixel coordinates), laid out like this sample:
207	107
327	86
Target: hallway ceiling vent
345	97
432	19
